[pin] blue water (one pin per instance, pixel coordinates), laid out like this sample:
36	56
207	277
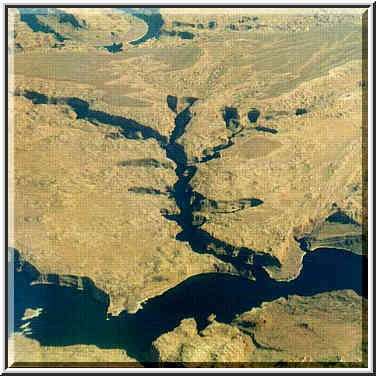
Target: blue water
72	317
151	17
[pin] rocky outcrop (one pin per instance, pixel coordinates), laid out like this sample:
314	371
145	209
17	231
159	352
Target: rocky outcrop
72	28
127	127
156	204
337	231
118	238
215	345
352	243
36	20
34	278
59	309
328	328
190	202
286	170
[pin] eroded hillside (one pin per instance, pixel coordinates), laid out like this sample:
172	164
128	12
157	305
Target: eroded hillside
147	149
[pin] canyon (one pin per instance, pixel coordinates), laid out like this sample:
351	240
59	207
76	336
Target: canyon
169	193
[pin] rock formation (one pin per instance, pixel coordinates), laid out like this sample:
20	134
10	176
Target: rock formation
237	149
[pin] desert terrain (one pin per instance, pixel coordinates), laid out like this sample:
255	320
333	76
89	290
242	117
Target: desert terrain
187	187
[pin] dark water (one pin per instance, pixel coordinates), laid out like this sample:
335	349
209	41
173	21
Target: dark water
30	17
182	193
243	259
152	18
200	241
72	317
181	122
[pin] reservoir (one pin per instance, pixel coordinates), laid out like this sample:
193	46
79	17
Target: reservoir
68	316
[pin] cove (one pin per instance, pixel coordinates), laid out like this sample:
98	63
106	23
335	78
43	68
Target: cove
69	316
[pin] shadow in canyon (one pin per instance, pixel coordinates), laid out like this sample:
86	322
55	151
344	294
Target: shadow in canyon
182	193
35	18
114	48
69	316
130	129
31	18
146	162
189	201
242	258
267	130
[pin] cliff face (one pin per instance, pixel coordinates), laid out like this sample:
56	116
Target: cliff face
217	343
210	319
82	199
302	174
321	329
72	28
